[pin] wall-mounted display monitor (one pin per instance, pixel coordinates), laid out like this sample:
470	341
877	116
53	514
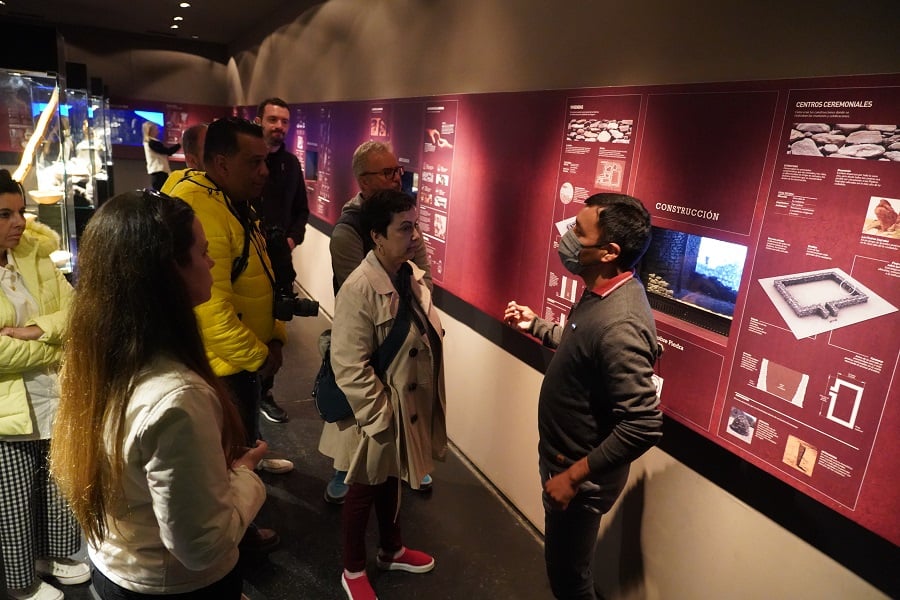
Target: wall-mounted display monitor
409	183
311	165
693	278
125	125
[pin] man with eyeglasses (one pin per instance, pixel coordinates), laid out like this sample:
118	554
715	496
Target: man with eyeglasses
376	168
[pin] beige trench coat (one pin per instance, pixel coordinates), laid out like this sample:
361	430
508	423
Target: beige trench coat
399	425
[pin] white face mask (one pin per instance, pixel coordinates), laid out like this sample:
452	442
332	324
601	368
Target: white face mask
570	252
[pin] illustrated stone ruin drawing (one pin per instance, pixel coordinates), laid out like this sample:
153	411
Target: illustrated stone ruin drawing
829	308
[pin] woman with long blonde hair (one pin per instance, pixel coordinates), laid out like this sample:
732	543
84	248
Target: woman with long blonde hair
148	444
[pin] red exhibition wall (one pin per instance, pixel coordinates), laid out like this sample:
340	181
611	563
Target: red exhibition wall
803	173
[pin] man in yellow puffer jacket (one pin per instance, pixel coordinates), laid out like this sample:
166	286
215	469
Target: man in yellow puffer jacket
242	338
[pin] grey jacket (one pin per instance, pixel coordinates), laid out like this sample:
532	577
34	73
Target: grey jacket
348	248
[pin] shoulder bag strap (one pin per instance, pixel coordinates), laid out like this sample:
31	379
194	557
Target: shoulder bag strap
386	352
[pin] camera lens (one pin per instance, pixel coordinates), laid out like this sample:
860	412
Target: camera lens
305	307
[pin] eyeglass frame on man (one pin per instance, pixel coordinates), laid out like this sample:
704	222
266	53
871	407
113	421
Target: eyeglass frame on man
387	173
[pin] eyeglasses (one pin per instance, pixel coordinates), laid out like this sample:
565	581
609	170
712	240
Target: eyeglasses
150	193
388	173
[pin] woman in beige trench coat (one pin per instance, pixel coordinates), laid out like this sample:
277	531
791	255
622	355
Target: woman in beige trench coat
399	419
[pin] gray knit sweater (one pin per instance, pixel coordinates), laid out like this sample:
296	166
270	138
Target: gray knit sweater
597	398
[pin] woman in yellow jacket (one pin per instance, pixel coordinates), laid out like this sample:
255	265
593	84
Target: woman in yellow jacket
37	529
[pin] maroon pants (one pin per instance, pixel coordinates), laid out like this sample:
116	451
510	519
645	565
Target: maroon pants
355	517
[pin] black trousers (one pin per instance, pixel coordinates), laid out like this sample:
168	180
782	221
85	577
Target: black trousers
570	537
158	179
227	588
245	392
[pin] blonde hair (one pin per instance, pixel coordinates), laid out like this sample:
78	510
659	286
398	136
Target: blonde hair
146	127
363	152
130	308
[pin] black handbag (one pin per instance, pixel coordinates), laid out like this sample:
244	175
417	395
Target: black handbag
329	399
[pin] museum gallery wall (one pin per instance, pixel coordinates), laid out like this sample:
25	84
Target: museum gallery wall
775	267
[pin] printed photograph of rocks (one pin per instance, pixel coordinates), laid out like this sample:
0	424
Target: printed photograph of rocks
600	130
741	425
844	140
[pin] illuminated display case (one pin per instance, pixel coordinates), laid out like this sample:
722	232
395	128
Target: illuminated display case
89	166
37	146
693	278
100	124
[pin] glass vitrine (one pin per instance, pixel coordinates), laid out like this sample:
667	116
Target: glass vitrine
37	147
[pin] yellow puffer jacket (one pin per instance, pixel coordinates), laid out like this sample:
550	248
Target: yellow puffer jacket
53	294
237	322
174	178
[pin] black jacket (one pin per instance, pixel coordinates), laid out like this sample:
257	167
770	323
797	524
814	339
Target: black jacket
284	202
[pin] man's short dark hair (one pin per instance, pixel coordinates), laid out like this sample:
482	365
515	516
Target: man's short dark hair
626	222
190	139
274	102
222	137
377	211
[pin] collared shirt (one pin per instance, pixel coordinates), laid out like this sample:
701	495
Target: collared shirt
607	286
13	286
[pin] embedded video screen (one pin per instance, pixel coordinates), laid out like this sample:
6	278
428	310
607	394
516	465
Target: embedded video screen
700	273
125	125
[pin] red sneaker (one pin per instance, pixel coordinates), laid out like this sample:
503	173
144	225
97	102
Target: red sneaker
411	561
358	588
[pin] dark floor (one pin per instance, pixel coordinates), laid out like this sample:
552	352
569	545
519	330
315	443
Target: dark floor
482	549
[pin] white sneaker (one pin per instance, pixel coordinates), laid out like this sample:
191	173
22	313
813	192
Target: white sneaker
65	570
40	590
275	465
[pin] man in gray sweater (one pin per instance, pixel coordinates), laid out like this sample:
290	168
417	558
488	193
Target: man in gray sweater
598	407
376	168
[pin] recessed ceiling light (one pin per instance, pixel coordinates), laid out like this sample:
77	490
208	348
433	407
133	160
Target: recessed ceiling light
178	18
185	5
174	27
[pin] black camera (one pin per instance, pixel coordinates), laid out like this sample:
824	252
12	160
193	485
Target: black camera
285	303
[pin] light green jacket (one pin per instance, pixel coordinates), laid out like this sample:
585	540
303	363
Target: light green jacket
53	295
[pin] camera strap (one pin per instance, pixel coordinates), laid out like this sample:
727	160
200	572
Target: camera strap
251	231
239	264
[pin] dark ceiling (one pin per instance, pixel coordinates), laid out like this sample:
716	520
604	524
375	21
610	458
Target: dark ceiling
211	21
